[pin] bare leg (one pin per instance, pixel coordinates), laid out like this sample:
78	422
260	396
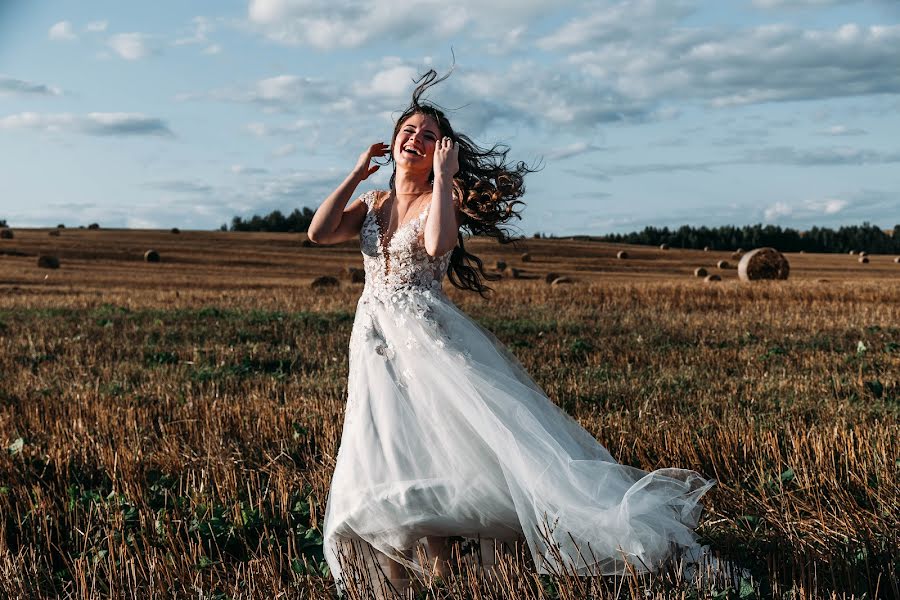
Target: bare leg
439	554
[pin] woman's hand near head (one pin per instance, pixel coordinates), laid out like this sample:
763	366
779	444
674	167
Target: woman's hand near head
334	221
446	158
363	169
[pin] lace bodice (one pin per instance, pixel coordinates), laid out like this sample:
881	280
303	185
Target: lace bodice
400	264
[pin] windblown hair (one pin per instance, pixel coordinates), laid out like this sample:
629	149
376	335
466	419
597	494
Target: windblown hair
489	187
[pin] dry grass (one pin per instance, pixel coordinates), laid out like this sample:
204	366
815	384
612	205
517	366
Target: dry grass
170	430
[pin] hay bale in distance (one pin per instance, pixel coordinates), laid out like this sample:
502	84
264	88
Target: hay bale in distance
176	230
61	226
663	246
45	261
325	281
53	233
516	273
622	254
700	272
562	281
551	276
723	264
706	248
94	226
852	252
501	265
863	253
526	257
897	260
712	277
763	263
863	259
6	234
151	256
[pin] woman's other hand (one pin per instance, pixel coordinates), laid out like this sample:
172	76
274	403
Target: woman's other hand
363	169
446	157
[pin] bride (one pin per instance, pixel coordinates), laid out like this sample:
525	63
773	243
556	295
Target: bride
444	432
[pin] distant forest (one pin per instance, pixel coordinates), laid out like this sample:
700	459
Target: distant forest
818	239
296	222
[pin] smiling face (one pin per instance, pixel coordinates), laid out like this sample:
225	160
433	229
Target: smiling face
415	141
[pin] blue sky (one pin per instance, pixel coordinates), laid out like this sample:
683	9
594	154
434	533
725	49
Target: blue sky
644	112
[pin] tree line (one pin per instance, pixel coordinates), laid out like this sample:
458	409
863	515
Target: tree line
866	237
296	222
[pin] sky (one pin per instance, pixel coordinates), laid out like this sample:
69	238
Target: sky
181	113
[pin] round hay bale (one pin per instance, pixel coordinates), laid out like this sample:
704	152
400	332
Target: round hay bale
94	226
763	263
622	254
61	226
863	253
863	259
562	281
516	273
306	244
526	257
706	248
723	264
739	251
852	252
6	234
356	275
151	256
663	246
176	230
46	261
501	265
53	233
736	256
700	272
897	260
712	277
325	281
551	276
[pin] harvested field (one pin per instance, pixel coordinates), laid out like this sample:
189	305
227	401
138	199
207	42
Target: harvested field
170	429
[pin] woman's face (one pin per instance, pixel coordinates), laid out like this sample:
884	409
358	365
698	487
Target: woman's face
413	148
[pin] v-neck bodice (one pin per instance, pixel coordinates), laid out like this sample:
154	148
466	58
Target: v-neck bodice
400	262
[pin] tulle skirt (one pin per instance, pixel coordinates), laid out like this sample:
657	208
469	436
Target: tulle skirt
445	434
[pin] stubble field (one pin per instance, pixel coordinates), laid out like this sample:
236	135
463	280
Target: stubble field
169	430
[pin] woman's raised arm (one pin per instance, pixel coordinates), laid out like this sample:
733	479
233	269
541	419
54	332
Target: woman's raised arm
336	222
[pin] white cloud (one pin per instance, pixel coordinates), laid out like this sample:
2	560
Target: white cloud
842	130
828	206
796	3
97	123
212	49
201	28
62	32
10	86
284	150
571	150
96	26
131	46
245	170
328	24
282	93
727	68
777	210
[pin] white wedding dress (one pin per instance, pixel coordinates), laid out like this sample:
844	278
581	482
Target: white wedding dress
445	434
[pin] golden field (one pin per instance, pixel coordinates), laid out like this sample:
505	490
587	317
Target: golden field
169	430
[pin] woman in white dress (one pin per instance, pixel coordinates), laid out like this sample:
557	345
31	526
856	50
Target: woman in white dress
444	433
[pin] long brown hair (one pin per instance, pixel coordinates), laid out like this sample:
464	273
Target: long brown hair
490	189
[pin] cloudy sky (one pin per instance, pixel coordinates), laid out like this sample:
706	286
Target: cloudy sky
643	112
